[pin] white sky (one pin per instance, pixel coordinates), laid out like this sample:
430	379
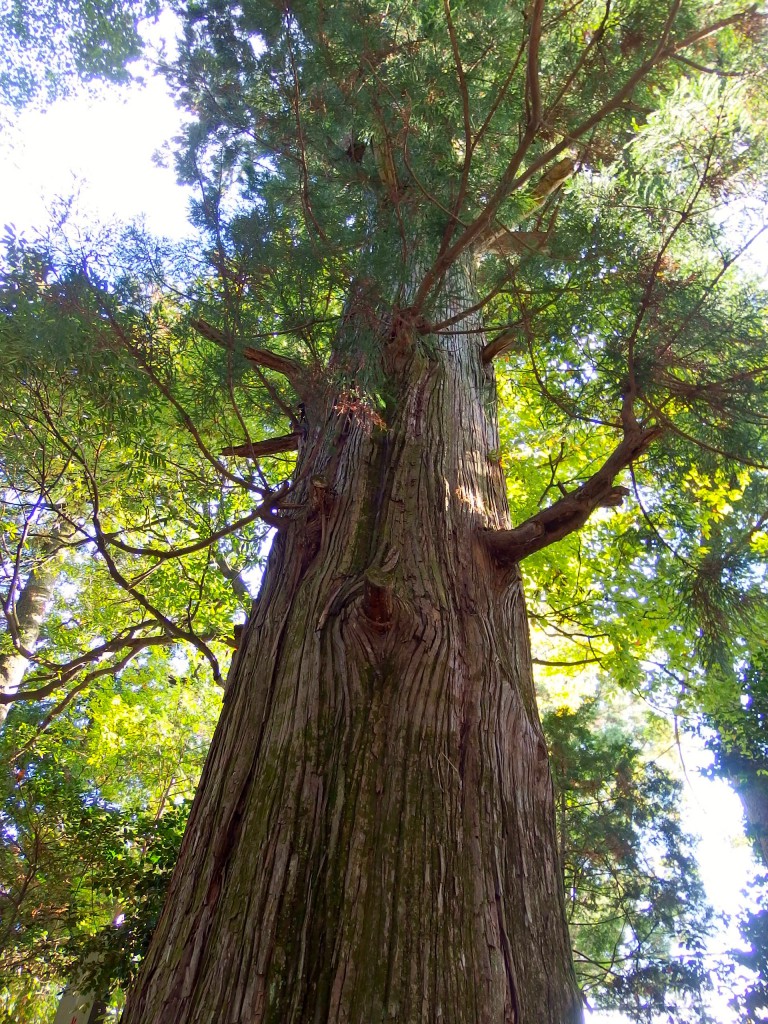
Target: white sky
100	148
103	148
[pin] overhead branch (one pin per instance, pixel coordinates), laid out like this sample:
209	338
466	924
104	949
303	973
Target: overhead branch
269	446
129	647
111	669
449	249
532	84
289	368
161	385
262	357
572	510
188	549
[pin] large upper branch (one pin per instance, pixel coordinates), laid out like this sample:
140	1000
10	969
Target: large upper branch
514	177
501	343
572	510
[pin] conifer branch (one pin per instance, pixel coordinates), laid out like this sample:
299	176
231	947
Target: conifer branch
574	509
500	345
289	368
513	178
467	121
502	241
532	85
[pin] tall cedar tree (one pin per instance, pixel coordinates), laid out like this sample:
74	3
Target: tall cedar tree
404	200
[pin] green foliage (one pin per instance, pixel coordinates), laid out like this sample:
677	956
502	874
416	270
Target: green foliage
91	819
139	878
103	447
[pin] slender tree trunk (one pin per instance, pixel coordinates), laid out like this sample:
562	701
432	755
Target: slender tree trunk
30	610
374	835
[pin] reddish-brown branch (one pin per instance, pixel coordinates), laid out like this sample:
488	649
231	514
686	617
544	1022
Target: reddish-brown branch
571	511
309	214
501	344
502	241
593	43
466	118
532	85
124	339
172	628
289	368
501	95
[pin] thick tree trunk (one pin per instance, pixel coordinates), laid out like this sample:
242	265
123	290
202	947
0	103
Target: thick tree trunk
373	838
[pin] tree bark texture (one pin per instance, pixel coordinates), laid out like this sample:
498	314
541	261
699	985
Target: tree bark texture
373	837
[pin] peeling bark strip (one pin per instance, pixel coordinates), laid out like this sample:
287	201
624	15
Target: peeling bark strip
373	837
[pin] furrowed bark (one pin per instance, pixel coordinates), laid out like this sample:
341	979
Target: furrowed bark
373	838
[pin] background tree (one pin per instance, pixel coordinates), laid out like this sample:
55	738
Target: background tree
737	714
91	820
116	539
50	47
635	903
